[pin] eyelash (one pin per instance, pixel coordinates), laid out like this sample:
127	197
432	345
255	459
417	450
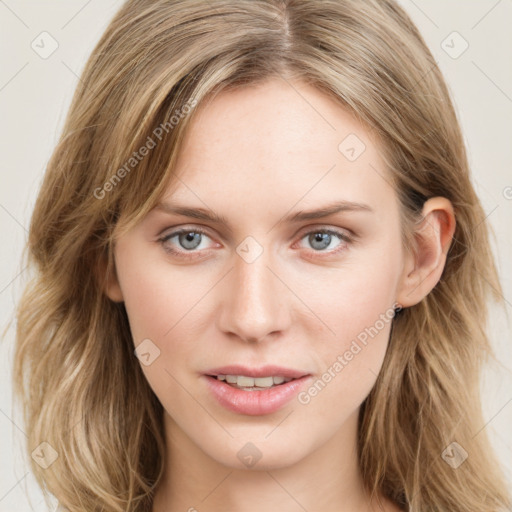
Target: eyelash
189	255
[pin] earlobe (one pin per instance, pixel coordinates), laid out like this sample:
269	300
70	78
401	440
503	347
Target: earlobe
109	282
433	235
112	288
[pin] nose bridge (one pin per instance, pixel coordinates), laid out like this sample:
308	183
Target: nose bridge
254	305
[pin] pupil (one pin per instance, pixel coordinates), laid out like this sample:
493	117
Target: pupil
322	238
187	240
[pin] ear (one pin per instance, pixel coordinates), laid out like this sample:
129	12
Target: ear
109	283
423	269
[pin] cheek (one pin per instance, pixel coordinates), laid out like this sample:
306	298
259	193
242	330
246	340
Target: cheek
163	305
355	295
158	298
360	314
355	305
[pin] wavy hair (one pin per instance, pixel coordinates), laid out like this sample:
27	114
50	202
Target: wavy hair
75	372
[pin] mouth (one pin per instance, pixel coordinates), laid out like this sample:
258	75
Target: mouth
252	383
255	379
253	395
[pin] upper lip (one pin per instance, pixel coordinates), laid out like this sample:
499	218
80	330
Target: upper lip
262	371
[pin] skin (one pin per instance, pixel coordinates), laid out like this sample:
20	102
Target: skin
254	156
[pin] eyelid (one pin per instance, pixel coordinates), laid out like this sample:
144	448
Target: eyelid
181	230
305	230
180	227
327	227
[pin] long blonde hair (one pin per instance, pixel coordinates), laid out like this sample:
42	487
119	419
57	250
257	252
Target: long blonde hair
83	390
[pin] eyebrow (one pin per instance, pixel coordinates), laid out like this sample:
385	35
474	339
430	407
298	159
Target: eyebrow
302	215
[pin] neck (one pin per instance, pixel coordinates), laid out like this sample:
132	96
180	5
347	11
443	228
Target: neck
328	478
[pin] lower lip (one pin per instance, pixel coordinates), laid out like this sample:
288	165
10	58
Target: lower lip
255	403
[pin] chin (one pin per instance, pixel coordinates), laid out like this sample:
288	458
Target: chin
250	453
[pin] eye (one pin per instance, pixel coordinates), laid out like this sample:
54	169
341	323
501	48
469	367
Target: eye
187	240
321	239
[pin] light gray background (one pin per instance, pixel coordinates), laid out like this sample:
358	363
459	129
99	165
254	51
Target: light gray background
35	94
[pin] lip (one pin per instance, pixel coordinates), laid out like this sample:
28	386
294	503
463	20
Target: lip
263	371
254	403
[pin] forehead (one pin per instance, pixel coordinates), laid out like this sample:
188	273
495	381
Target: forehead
282	142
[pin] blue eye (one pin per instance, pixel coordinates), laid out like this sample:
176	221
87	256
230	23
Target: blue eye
188	239
189	242
321	239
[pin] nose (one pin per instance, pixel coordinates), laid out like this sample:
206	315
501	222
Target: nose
254	301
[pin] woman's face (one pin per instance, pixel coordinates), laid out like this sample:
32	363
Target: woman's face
264	283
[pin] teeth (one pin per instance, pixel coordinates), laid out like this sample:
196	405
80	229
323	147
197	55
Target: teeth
250	382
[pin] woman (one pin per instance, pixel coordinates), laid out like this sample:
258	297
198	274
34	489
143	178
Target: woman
261	271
